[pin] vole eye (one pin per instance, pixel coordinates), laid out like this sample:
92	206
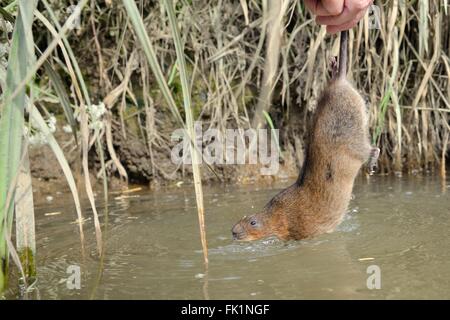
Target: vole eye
253	222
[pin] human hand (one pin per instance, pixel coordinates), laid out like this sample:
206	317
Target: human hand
338	15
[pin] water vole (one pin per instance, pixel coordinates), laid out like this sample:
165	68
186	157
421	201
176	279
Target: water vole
337	147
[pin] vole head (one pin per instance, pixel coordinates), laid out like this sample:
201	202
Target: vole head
272	220
252	227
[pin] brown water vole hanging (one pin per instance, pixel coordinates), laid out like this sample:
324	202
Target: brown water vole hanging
338	146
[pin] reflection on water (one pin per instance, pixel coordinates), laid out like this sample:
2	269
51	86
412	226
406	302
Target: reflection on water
154	251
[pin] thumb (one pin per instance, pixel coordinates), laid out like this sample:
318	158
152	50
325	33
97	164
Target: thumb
333	7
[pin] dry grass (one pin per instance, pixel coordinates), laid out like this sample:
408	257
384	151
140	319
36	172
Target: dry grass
234	69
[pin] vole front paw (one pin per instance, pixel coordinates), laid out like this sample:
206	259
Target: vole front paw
334	67
373	159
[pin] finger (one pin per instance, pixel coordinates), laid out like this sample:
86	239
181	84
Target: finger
353	10
316	7
346	26
312	6
333	7
359	5
345	17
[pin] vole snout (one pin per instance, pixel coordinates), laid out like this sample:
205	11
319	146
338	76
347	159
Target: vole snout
237	231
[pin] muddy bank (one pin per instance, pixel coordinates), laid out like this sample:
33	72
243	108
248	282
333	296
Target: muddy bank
152	166
147	167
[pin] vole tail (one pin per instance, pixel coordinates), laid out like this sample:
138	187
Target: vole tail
343	54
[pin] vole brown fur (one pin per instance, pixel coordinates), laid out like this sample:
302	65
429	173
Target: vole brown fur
338	146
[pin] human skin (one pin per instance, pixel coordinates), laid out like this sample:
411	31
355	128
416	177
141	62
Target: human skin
338	15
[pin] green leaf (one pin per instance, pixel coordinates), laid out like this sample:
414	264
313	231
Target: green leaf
21	57
63	96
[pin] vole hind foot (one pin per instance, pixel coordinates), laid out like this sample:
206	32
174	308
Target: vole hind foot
334	67
373	159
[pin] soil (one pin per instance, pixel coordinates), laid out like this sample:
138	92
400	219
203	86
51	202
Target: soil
134	155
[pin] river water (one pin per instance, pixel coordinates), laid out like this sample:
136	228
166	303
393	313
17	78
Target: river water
395	237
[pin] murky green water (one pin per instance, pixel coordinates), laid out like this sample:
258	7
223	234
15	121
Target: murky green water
401	225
